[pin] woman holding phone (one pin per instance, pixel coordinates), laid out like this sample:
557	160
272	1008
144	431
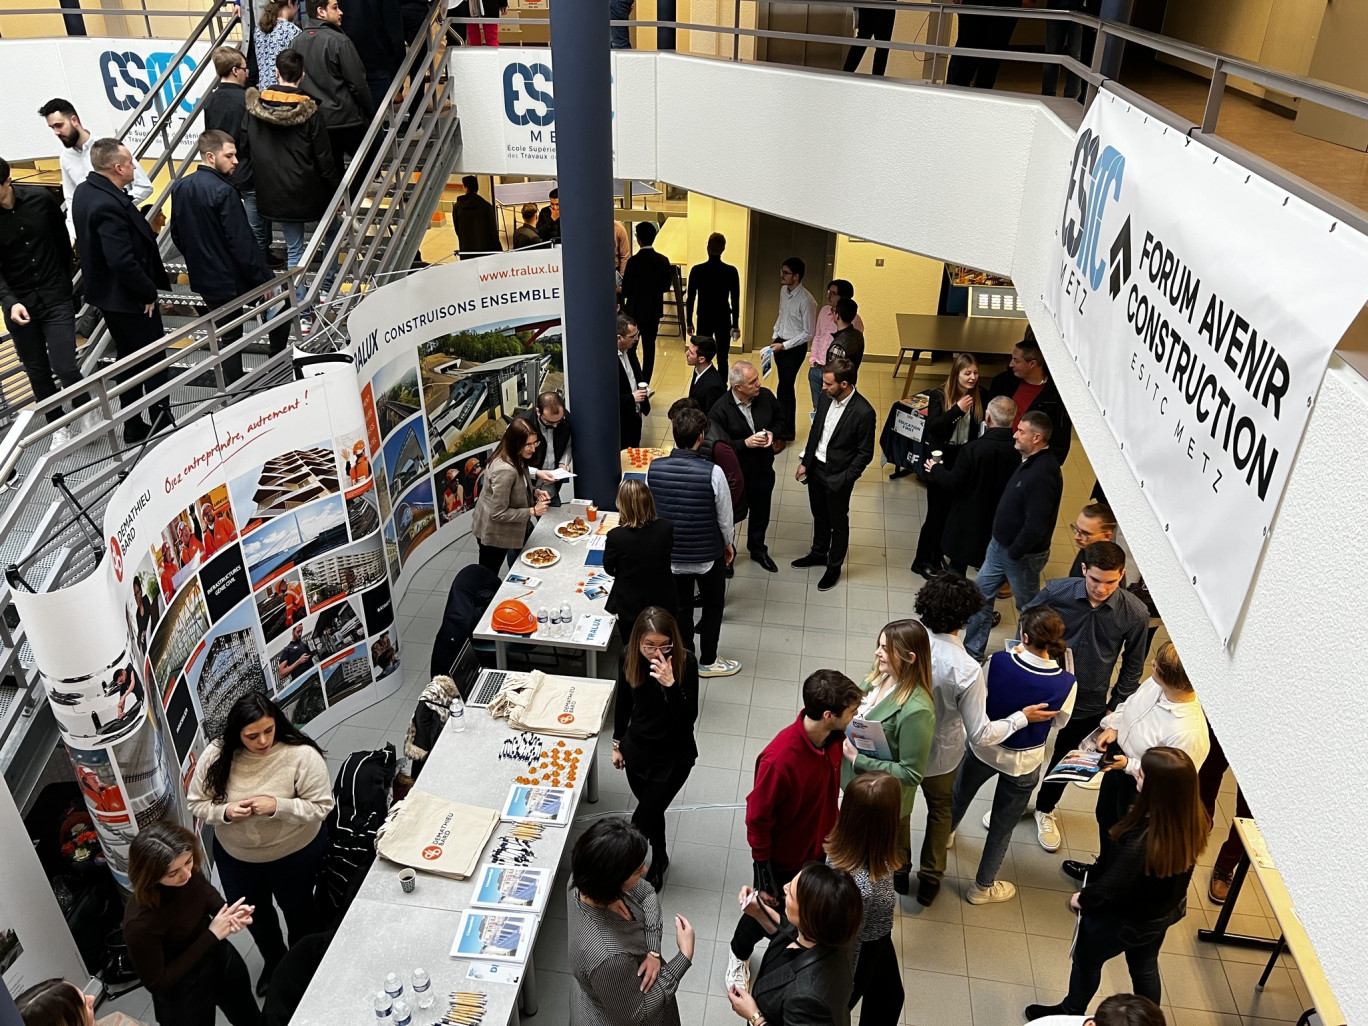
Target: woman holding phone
898	699
177	928
653	725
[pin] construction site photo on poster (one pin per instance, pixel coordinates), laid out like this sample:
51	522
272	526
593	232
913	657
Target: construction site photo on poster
243	554
444	358
1202	304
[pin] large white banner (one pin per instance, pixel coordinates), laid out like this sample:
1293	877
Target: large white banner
443	359
1202	304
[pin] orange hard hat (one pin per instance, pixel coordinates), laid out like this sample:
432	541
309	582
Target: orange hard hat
513	617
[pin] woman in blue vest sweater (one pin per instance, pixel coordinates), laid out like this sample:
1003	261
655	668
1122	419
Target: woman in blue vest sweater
1030	687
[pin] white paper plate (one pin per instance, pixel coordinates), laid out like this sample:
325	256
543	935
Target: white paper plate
541	566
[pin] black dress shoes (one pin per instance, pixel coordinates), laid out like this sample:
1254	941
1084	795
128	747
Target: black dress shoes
900	472
927	891
1075	870
1034	1012
763	558
829	579
811	559
902	880
928	570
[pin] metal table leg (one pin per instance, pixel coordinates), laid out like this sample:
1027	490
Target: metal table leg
1278	949
591	663
1219	934
527	997
591	782
501	655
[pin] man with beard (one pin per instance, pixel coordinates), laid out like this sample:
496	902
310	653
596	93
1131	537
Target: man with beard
65	123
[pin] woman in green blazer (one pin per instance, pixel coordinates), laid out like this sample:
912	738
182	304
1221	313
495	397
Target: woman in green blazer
898	697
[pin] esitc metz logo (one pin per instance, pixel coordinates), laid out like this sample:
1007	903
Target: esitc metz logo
129	76
528	97
1096	176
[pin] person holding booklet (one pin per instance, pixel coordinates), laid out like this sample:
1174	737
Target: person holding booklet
896	722
614	933
1026	684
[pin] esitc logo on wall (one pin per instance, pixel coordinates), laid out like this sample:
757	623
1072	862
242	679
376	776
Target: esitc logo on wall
529	114
129	75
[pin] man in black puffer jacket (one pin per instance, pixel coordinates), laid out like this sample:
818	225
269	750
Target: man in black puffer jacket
693	494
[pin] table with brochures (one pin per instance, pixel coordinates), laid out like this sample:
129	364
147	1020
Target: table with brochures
387	930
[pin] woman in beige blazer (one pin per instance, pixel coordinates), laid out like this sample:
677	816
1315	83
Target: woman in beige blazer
508	499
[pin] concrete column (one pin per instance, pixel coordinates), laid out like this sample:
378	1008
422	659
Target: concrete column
584	167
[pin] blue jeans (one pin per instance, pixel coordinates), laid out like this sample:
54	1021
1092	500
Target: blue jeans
1024	576
296	236
261	228
1010	799
815	383
619	37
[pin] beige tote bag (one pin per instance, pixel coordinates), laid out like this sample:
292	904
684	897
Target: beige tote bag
560	706
436	835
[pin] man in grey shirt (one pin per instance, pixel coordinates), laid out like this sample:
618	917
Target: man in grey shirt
1103	624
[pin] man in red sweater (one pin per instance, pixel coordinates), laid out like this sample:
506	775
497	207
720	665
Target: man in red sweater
792	807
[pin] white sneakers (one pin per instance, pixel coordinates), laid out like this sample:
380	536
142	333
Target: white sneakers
1000	891
60	437
721	668
1047	831
738	973
987	819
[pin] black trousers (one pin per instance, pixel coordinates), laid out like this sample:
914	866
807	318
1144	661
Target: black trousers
1066	740
977	32
46	346
138	333
219	980
933	527
1102	938
712	587
748	932
649	330
871	23
789	362
288	881
722	338
492	556
878	979
759	484
1114	799
830	515
653	798
232	367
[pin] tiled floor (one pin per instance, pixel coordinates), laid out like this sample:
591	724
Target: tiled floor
962	964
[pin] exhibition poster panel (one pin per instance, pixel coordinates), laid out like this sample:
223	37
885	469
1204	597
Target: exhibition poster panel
444	358
244	554
1201	303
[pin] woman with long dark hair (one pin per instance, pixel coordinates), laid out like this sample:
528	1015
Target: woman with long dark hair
865	845
653	725
898	697
621	978
56	1002
1029	687
509	498
273	32
804	977
637	555
177	928
1139	887
954	416
264	788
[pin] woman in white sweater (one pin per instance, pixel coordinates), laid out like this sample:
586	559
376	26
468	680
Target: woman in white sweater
264	787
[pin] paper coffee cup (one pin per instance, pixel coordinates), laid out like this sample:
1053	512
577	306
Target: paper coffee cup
936	454
408	880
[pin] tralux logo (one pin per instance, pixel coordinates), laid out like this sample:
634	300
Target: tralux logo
527	94
1096	176
129	76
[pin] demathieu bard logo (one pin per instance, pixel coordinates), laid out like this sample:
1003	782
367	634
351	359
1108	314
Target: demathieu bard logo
1096	177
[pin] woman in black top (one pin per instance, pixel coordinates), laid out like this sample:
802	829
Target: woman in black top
804	977
177	928
1139	886
637	555
954	416
657	703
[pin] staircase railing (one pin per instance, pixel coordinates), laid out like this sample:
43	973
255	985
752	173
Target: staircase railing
50	534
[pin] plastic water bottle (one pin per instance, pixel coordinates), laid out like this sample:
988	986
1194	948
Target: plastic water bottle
457	721
543	619
393	985
384	1005
402	1016
422	988
565	619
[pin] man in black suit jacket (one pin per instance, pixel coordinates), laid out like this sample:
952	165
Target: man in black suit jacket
975	485
840	445
749	416
477	226
1027	383
644	283
706	386
122	270
633	402
717	288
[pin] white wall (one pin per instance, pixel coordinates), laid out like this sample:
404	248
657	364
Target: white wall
976	178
